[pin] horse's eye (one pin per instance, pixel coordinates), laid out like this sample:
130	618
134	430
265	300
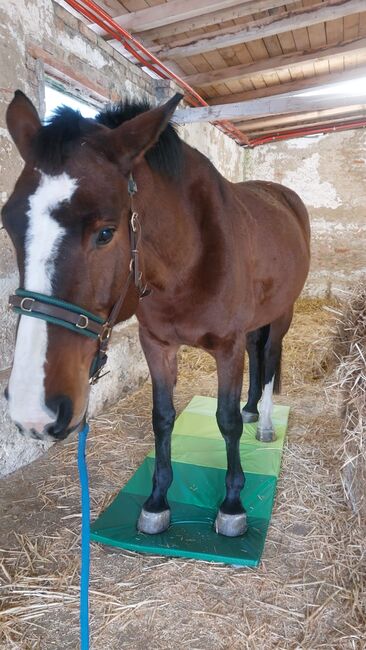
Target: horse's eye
105	236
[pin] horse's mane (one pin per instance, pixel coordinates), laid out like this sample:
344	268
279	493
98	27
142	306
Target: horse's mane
58	137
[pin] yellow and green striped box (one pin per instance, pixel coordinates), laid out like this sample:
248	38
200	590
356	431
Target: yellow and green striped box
198	488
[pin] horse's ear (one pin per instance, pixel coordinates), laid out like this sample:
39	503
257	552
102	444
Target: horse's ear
133	138
23	123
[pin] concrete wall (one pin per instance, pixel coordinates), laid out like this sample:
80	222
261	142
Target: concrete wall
329	173
38	37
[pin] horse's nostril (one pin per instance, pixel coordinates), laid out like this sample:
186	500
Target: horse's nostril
35	434
6	393
62	407
50	429
20	428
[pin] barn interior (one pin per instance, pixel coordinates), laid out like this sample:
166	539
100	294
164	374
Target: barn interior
273	91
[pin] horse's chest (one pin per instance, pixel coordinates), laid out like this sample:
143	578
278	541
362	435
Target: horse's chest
194	323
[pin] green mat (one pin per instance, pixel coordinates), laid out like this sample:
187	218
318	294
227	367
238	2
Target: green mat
199	467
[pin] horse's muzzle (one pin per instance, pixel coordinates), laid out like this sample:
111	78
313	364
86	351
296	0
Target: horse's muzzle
58	428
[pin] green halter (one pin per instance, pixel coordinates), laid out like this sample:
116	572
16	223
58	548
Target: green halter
31	305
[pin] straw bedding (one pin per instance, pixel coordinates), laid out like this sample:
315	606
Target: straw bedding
308	593
349	352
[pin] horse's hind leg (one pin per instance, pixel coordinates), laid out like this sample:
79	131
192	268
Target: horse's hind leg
155	513
231	518
256	342
272	375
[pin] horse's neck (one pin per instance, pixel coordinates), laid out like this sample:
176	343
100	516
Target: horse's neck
170	233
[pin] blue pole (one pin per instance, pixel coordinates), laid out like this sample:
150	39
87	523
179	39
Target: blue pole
85	540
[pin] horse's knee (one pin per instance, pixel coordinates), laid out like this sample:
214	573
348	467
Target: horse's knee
230	423
163	420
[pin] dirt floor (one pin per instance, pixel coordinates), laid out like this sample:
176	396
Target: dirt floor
308	593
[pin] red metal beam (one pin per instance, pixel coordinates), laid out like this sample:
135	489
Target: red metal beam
96	14
314	130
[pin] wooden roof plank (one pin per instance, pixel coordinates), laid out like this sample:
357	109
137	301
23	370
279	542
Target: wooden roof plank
334	31
293	86
211	19
276	63
167	13
351	26
277	24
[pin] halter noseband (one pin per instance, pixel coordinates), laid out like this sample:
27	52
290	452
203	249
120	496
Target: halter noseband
77	319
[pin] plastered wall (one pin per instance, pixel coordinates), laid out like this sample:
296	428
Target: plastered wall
329	173
38	37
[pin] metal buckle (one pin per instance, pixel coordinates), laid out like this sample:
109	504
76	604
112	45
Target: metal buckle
82	324
132	187
105	334
134	221
22	304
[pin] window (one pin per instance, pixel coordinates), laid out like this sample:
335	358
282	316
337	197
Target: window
57	96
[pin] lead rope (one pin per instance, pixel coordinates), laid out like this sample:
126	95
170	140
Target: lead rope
85	539
84	486
83	434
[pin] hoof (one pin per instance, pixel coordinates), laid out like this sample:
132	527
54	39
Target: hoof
265	434
231	525
153	523
249	417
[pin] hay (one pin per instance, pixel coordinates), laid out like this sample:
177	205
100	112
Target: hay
308	593
349	349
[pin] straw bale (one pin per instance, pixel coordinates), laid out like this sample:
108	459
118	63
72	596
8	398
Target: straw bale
349	349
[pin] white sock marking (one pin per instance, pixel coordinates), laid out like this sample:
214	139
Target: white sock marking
266	407
44	235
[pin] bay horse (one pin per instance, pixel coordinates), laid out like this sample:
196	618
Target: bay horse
111	209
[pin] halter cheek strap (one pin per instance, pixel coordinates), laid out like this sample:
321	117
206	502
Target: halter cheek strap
77	319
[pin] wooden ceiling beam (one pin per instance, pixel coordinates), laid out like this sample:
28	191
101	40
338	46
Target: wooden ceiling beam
254	108
268	26
274	64
292	86
208	19
168	13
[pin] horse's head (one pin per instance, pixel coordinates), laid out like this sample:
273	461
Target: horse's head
68	221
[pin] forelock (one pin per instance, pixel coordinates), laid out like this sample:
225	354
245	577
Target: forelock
56	141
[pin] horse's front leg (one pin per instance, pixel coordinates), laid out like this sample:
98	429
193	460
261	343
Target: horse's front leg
231	517
162	362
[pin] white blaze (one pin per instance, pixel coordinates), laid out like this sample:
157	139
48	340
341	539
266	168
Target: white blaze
44	235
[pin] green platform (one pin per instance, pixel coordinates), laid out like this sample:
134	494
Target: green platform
199	467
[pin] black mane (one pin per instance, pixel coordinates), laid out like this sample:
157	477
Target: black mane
57	139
